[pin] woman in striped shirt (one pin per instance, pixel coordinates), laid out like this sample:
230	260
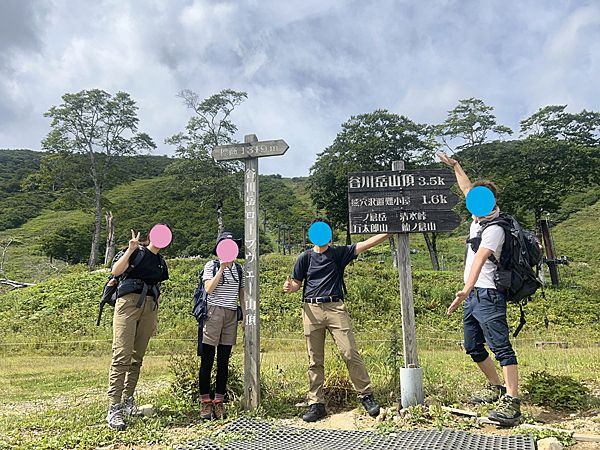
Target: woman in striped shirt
224	283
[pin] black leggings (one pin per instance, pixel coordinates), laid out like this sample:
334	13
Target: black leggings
206	364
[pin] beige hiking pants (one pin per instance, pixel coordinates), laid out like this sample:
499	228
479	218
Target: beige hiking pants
331	316
132	328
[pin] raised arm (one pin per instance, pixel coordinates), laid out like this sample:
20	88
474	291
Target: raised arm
122	264
461	177
371	242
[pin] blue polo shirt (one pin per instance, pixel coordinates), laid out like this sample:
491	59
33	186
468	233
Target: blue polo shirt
321	271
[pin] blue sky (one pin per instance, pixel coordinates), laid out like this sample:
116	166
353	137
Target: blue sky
307	66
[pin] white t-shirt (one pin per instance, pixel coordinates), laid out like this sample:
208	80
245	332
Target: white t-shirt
226	292
491	239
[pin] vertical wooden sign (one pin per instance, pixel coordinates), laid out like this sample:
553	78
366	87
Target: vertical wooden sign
252	332
250	151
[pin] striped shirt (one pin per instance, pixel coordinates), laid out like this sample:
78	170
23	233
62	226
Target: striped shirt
226	292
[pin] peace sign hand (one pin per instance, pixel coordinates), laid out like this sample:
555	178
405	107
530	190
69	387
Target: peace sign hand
135	241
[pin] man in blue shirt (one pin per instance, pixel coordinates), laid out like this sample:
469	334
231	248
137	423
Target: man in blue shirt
324	309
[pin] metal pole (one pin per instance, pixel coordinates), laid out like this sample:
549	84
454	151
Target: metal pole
550	260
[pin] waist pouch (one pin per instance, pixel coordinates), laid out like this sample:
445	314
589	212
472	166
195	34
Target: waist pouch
129	285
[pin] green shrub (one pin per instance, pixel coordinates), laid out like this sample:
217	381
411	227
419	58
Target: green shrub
556	391
185	368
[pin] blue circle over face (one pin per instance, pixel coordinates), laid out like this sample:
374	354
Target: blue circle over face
480	201
319	233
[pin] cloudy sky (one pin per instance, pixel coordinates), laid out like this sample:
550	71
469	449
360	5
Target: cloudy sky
307	65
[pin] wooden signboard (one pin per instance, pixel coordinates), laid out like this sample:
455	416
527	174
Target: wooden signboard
403	201
406	201
250	150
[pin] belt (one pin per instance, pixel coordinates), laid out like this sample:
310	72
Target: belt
330	298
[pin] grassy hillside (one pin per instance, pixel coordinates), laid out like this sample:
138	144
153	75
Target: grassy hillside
65	309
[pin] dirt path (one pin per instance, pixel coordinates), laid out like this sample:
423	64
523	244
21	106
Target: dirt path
358	420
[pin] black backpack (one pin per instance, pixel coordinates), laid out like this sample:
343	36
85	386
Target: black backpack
200	305
516	276
109	293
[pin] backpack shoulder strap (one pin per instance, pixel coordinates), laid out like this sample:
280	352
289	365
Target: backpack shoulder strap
216	266
141	252
305	255
338	263
138	258
240	271
504	221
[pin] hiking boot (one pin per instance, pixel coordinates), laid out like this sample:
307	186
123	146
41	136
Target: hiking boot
508	413
370	405
206	410
130	408
492	394
219	410
114	417
316	412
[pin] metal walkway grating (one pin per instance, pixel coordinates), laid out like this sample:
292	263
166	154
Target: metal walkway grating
247	433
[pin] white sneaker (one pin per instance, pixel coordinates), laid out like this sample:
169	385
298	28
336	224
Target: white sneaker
114	417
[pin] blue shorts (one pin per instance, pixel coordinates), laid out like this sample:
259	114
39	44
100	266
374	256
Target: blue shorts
485	322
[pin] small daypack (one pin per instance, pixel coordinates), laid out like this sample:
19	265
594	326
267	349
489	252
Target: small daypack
109	293
200	304
307	254
516	274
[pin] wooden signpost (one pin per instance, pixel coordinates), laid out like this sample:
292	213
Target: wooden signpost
250	151
403	201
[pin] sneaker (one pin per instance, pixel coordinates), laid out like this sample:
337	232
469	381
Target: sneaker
316	412
219	410
115	417
508	413
492	394
206	410
130	408
370	405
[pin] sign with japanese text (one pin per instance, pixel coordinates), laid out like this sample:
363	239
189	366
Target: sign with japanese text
250	150
407	201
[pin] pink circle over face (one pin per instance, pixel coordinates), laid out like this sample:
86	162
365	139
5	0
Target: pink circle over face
227	250
160	236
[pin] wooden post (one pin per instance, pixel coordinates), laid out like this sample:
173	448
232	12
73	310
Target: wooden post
252	300
110	239
250	151
409	333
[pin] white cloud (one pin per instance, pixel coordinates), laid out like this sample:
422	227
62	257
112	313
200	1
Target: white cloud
307	66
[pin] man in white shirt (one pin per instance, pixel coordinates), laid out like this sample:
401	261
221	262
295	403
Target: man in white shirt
485	310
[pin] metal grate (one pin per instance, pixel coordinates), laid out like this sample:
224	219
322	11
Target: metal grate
247	433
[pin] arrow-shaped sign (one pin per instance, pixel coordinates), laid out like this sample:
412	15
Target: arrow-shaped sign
253	150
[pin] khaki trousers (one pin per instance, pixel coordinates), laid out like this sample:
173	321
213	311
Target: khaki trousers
132	328
331	316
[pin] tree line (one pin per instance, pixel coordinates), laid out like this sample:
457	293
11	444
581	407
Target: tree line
93	132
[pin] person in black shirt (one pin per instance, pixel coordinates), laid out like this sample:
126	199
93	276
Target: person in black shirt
324	309
134	322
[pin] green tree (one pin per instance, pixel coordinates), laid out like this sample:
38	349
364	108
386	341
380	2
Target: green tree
367	142
559	154
581	129
69	243
213	182
472	121
91	131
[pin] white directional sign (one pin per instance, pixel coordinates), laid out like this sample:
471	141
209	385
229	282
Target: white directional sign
250	150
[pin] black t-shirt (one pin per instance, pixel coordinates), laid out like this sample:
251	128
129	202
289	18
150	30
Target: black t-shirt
322	275
151	269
